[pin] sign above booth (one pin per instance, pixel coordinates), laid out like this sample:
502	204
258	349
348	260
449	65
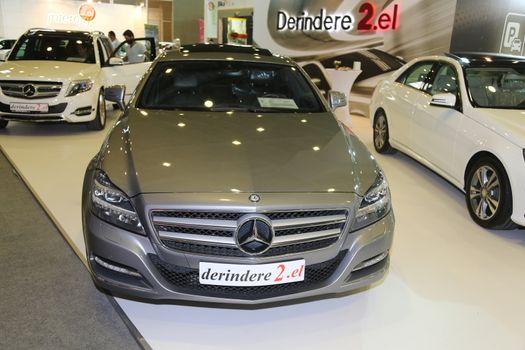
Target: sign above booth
87	12
369	20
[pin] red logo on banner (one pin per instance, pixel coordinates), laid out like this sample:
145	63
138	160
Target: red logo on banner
87	12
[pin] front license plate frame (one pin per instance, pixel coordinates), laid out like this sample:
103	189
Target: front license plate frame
245	275
18	107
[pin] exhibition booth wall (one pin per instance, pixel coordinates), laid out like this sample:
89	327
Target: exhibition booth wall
368	40
408	28
18	16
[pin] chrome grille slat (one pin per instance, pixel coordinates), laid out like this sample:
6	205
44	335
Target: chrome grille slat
192	238
308	221
43	89
305	237
201	223
229	241
211	232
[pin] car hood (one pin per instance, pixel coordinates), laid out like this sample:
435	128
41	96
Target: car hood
508	123
47	70
210	152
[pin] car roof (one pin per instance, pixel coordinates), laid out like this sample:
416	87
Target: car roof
225	52
482	59
63	32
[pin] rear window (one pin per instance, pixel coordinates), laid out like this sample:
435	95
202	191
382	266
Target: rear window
227	85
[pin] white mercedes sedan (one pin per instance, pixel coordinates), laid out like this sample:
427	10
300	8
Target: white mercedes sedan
462	116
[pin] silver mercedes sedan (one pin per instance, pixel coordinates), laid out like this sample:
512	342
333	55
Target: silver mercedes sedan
228	179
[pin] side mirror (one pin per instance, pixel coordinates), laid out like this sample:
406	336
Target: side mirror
336	99
444	100
116	94
116	61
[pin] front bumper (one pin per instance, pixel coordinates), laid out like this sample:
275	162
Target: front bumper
73	109
328	270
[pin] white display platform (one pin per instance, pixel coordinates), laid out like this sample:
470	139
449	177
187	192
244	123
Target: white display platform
451	285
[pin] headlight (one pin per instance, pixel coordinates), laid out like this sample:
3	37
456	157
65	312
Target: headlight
79	86
112	205
375	204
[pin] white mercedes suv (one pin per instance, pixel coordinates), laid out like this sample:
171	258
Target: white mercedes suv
60	75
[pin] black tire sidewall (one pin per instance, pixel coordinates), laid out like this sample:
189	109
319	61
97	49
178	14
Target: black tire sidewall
101	123
97	124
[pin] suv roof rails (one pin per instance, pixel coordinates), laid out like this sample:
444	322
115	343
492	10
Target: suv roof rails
51	30
42	29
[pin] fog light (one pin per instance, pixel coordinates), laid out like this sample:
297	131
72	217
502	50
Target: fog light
82	111
371	261
116	268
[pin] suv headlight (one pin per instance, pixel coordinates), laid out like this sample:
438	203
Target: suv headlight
78	86
375	204
112	205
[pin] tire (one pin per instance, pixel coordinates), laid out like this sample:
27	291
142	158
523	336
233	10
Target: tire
3	124
100	116
488	195
381	135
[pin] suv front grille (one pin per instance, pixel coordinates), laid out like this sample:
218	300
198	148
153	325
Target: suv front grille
186	280
212	233
40	89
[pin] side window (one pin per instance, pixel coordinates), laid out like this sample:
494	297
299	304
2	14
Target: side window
445	80
22	49
416	76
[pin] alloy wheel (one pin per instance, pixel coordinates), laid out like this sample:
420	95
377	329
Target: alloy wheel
380	132
485	192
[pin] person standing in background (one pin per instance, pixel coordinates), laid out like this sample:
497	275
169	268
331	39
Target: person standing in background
135	51
113	39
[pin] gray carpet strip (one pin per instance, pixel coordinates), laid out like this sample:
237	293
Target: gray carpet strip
47	298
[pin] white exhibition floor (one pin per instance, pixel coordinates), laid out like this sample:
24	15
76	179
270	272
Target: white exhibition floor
451	285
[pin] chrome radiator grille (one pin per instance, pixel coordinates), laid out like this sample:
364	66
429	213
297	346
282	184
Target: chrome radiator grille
212	233
30	89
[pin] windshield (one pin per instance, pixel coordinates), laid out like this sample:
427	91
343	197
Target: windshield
54	48
497	87
226	85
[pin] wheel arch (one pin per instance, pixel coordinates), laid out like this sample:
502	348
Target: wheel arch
378	110
475	158
503	218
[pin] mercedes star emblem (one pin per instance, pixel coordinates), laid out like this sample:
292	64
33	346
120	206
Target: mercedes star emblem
255	198
254	234
29	90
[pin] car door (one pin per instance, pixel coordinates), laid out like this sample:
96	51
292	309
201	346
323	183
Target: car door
435	128
404	92
126	71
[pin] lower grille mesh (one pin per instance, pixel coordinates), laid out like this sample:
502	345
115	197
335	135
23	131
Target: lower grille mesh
186	280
